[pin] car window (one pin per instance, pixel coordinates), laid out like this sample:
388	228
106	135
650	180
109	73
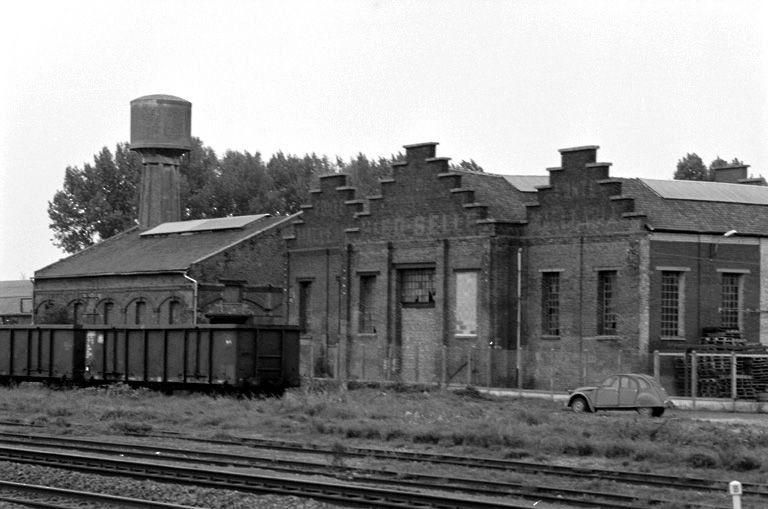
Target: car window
644	383
628	383
612	382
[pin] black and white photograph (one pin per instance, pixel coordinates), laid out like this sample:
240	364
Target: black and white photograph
407	253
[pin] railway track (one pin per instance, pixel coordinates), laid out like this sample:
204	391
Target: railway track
342	493
627	477
32	495
380	477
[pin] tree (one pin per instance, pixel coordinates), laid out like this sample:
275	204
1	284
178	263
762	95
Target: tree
691	167
291	178
97	201
198	168
468	166
718	163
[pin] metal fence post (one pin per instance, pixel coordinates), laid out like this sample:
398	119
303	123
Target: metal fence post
694	377
312	358
444	366
657	366
490	361
734	392
362	368
469	366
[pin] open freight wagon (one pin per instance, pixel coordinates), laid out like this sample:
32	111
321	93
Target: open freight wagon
215	357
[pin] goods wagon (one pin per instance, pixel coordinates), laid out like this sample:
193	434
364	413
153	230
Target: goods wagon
216	357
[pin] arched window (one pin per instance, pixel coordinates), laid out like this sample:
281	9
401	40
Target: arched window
141	313
77	313
173	312
109	311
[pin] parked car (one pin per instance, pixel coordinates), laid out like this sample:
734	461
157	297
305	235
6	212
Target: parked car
622	392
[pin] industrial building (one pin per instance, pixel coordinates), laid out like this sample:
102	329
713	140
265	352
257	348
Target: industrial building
401	284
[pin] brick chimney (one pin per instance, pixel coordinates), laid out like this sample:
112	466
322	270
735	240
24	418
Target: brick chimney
731	174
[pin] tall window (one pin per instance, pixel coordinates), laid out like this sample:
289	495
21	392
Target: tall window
173	312
141	313
305	291
77	312
606	302
466	303
109	309
417	287
671	303
365	323
730	300
550	303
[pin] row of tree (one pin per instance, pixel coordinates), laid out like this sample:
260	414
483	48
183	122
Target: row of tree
691	167
100	200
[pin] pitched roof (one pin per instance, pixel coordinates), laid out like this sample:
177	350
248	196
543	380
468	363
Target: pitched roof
131	252
527	183
692	207
505	195
11	294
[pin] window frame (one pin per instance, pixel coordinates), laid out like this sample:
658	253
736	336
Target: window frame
672	306
367	288
735	294
550	303
607	316
416	287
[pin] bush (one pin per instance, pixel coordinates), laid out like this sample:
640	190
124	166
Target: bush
701	460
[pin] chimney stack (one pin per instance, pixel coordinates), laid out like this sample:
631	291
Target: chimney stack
160	132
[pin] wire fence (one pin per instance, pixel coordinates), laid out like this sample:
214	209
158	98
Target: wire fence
728	375
550	369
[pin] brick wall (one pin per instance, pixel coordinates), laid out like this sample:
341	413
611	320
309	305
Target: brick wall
703	259
157	291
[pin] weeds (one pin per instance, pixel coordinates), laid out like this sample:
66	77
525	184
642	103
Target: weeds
467	420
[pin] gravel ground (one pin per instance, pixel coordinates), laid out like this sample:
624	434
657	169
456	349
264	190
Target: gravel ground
150	490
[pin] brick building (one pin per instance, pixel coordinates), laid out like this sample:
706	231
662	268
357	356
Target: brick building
227	270
167	271
15	302
392	282
395	279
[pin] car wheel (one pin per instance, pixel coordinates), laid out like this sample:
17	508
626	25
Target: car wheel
645	411
658	412
579	405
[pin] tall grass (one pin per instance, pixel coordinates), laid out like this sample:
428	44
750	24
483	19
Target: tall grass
458	422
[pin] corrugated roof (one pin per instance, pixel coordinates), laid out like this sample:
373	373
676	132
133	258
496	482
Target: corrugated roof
709	191
527	183
130	253
200	225
697	215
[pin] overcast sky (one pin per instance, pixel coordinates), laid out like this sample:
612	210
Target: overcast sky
506	83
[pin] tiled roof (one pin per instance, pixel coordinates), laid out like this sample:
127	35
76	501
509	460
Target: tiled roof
11	293
130	253
707	214
505	201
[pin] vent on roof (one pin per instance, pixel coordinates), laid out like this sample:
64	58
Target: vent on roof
203	225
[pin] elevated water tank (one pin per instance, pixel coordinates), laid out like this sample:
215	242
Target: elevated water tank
161	122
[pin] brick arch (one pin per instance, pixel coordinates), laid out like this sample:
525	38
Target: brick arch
129	310
164	309
100	306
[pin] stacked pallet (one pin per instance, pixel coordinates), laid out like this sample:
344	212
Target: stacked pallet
714	367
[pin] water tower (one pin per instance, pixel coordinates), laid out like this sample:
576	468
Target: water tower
160	132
